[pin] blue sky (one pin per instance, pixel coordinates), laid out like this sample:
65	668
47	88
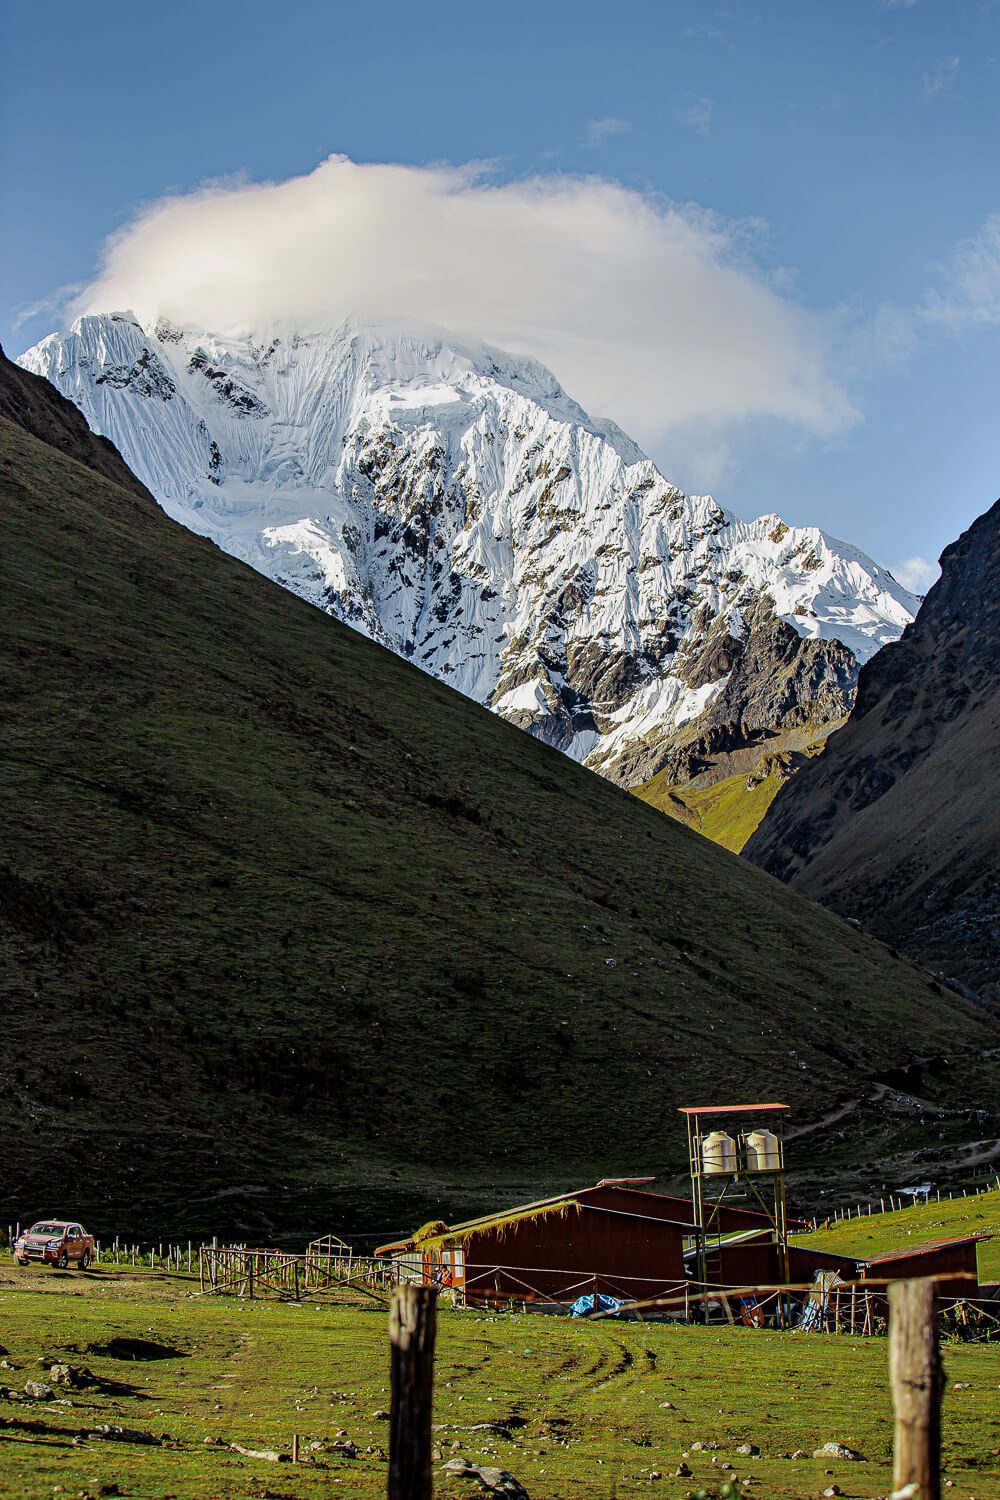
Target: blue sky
845	155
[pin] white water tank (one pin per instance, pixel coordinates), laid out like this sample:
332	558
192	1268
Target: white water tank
763	1151
718	1153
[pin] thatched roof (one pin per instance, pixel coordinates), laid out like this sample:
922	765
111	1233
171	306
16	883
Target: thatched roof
497	1224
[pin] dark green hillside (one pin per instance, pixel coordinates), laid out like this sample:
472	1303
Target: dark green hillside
282	916
27	401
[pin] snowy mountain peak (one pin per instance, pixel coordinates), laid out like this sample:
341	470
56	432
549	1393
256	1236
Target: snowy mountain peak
454	503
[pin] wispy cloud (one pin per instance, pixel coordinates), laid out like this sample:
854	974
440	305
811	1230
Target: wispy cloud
966	295
941	77
707	31
698	116
648	311
916	573
598	131
53	303
971	282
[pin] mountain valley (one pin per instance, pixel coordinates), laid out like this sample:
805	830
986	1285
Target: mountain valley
292	929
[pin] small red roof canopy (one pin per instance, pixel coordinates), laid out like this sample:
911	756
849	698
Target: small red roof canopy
928	1247
727	1109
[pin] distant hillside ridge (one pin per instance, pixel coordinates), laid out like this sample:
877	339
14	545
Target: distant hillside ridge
296	937
897	823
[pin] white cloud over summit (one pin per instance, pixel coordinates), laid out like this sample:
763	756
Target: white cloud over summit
648	312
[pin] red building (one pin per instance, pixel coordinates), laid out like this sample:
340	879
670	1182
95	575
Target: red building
619	1239
614	1238
956	1258
749	1260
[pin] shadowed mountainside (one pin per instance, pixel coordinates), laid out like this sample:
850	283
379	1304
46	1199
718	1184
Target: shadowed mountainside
27	401
296	937
898	823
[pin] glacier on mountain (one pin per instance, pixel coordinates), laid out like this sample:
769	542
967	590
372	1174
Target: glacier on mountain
457	506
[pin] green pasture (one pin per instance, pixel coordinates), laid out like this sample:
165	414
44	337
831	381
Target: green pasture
936	1220
593	1409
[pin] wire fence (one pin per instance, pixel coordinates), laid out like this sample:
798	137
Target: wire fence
179	1257
898	1201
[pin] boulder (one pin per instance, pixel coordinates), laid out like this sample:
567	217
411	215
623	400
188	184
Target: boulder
493	1481
838	1450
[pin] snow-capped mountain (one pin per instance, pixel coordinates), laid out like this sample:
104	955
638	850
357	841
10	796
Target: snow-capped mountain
456	505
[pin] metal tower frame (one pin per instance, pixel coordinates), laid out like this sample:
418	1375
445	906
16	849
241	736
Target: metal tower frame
766	1189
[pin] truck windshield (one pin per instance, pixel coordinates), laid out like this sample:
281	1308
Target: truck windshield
47	1229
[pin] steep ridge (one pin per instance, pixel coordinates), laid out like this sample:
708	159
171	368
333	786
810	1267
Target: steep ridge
295	936
456	505
28	402
897	824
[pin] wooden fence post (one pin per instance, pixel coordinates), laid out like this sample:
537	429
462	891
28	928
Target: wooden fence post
917	1384
412	1320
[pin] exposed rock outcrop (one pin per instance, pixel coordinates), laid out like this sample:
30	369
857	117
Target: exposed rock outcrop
776	686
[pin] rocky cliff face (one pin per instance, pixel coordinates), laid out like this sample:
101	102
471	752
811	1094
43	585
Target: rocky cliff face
457	506
897	824
778	688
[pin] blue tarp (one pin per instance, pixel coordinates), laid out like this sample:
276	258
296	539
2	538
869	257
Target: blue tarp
591	1303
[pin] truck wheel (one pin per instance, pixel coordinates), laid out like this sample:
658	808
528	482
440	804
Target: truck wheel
22	1260
63	1262
85	1260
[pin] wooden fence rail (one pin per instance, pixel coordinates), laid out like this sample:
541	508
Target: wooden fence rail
857	1308
916	1379
241	1272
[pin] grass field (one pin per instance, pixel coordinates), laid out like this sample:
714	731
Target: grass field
915	1226
586	1401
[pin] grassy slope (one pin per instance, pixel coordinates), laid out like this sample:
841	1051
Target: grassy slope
926	1221
282	916
255	1373
727	813
728	802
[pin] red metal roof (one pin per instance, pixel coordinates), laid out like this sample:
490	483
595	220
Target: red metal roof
727	1109
625	1183
926	1247
500	1216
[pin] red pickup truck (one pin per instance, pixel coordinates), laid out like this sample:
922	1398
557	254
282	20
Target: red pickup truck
55	1242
